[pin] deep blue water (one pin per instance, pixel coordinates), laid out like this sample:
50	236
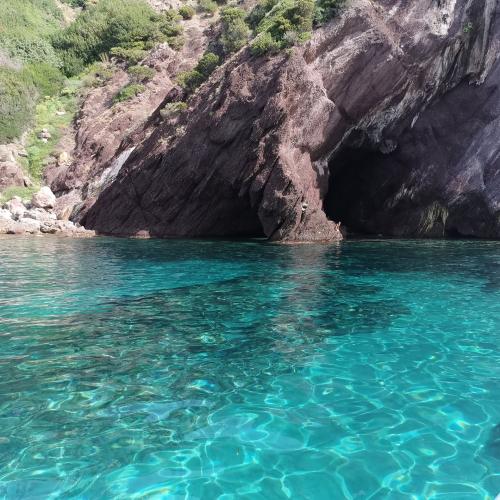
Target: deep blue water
215	369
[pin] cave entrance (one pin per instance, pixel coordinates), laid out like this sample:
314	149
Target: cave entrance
357	187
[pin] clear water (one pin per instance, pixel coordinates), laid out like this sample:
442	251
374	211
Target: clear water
174	369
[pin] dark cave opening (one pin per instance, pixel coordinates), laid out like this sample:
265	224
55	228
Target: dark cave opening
357	188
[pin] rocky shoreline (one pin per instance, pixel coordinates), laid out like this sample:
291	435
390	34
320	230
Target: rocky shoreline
37	217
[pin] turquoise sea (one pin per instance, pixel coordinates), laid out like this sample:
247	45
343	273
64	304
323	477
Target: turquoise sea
244	370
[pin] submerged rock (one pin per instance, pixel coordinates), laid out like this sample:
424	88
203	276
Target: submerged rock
265	144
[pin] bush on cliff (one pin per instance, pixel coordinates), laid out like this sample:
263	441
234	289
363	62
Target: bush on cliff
128	92
207	6
286	23
186	12
141	74
191	80
120	24
327	9
18	96
235	31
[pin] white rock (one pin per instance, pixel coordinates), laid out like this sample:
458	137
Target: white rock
45	198
6	154
16	207
5	215
40	215
31	226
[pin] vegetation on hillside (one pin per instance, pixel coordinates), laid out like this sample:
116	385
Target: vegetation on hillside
123	28
235	31
191	80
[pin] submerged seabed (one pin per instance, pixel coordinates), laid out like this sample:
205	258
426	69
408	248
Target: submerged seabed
194	369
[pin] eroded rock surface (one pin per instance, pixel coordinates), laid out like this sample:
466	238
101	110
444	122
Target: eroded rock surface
259	149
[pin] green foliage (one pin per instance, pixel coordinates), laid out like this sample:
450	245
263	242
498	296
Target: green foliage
468	27
191	80
207	6
17	99
47	116
288	22
46	78
128	92
132	54
327	9
186	12
96	74
173	109
259	12
26	27
26	193
207	64
264	43
126	26
140	74
235	31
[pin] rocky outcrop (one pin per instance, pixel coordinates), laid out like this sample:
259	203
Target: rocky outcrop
11	173
442	180
44	198
268	141
104	131
37	217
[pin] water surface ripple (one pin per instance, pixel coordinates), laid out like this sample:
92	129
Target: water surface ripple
218	369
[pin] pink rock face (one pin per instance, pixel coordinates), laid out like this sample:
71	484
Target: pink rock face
262	143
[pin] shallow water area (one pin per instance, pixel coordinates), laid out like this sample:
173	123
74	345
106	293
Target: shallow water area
240	369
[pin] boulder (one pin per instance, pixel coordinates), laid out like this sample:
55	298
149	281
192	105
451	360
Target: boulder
11	174
16	207
6	154
6	221
40	215
45	134
44	198
31	226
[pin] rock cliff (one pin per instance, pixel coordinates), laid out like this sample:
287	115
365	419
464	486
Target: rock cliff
387	121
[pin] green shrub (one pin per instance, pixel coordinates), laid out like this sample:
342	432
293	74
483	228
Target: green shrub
97	74
235	31
140	74
18	96
126	26
47	116
46	78
190	80
327	9
288	22
131	55
26	27
26	193
207	64
207	6
263	44
128	92
173	109
186	12
259	12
